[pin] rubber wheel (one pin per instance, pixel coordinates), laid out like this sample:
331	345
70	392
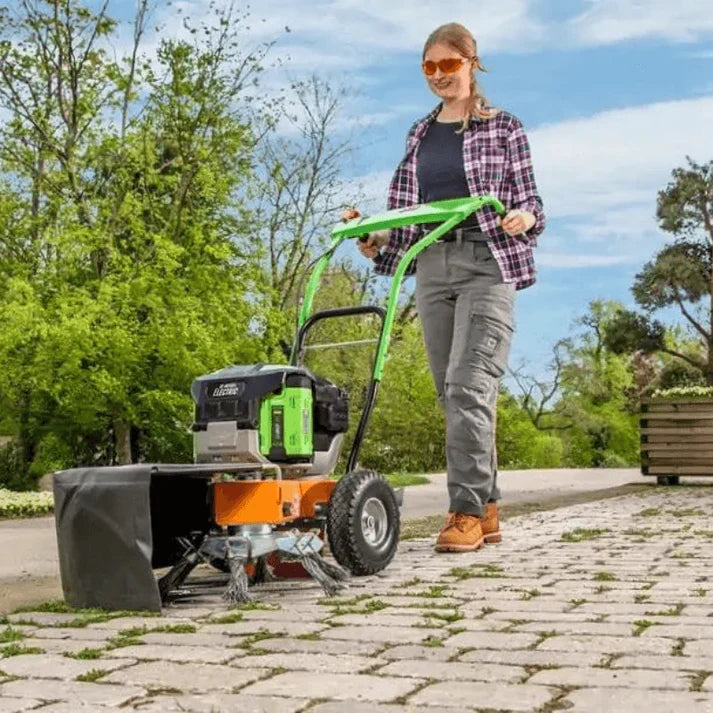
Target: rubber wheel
666	480
363	522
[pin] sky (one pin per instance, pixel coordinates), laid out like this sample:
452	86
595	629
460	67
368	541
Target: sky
613	94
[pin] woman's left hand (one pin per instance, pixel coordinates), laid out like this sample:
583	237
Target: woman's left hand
516	222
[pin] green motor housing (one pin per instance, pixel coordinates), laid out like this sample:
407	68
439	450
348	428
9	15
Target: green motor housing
286	424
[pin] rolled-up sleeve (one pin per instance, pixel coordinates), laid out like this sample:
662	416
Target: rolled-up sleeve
524	187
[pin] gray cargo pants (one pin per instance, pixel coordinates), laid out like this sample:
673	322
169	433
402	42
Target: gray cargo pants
467	315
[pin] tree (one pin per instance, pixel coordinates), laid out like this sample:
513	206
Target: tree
125	263
680	275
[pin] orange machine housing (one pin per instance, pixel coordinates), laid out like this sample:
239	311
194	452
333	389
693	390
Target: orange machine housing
270	502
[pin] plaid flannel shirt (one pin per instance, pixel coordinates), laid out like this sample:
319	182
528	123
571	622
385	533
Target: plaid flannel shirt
496	158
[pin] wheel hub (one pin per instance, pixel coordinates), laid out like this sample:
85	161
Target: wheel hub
374	522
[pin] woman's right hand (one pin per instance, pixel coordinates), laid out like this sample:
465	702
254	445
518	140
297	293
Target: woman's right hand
370	247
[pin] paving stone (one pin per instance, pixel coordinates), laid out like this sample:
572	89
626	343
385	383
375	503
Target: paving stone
75	708
388	620
322	646
369	708
534	657
284	627
390	634
671	663
75	634
596	700
221	703
43	618
601	677
322	662
76	691
531	616
61	646
491	640
55	666
340	686
197	639
495	696
186	654
702	647
136	622
186	677
455	671
608	644
414	651
591	628
17	705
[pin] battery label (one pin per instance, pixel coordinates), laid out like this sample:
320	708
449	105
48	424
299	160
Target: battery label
278	426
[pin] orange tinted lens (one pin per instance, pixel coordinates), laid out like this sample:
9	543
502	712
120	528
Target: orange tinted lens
448	66
429	68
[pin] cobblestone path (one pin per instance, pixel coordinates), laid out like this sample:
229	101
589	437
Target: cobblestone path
600	607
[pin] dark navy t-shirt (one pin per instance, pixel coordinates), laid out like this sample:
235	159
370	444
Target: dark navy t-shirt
439	166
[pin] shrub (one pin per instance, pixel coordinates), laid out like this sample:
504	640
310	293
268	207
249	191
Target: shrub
14	504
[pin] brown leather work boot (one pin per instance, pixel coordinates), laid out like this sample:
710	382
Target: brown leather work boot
490	524
462	533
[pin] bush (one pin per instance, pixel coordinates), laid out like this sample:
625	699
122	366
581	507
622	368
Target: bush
546	452
24	504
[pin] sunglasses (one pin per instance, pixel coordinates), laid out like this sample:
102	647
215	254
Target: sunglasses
447	66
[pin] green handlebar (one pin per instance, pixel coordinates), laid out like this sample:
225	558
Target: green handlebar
449	213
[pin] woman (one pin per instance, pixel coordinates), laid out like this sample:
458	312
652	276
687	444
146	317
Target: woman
466	282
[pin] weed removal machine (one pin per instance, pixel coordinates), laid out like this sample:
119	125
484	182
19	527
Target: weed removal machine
257	502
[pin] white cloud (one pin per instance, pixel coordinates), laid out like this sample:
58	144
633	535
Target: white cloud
620	157
562	260
610	21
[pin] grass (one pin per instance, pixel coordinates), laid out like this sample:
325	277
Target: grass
448	618
261	635
648	512
19	650
173	629
673	611
687	512
489	571
641	625
421	527
86	654
528	594
90	676
10	634
233	618
605	577
432	642
399	480
579	534
461	573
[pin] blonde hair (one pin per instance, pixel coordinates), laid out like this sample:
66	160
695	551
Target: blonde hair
460	39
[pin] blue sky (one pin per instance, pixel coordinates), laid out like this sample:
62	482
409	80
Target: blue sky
613	94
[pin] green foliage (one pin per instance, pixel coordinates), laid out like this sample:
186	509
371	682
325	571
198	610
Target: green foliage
519	443
679	275
123	272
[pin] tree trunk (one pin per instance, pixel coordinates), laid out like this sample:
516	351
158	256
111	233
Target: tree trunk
122	441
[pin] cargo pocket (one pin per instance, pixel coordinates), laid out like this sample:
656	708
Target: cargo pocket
489	345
